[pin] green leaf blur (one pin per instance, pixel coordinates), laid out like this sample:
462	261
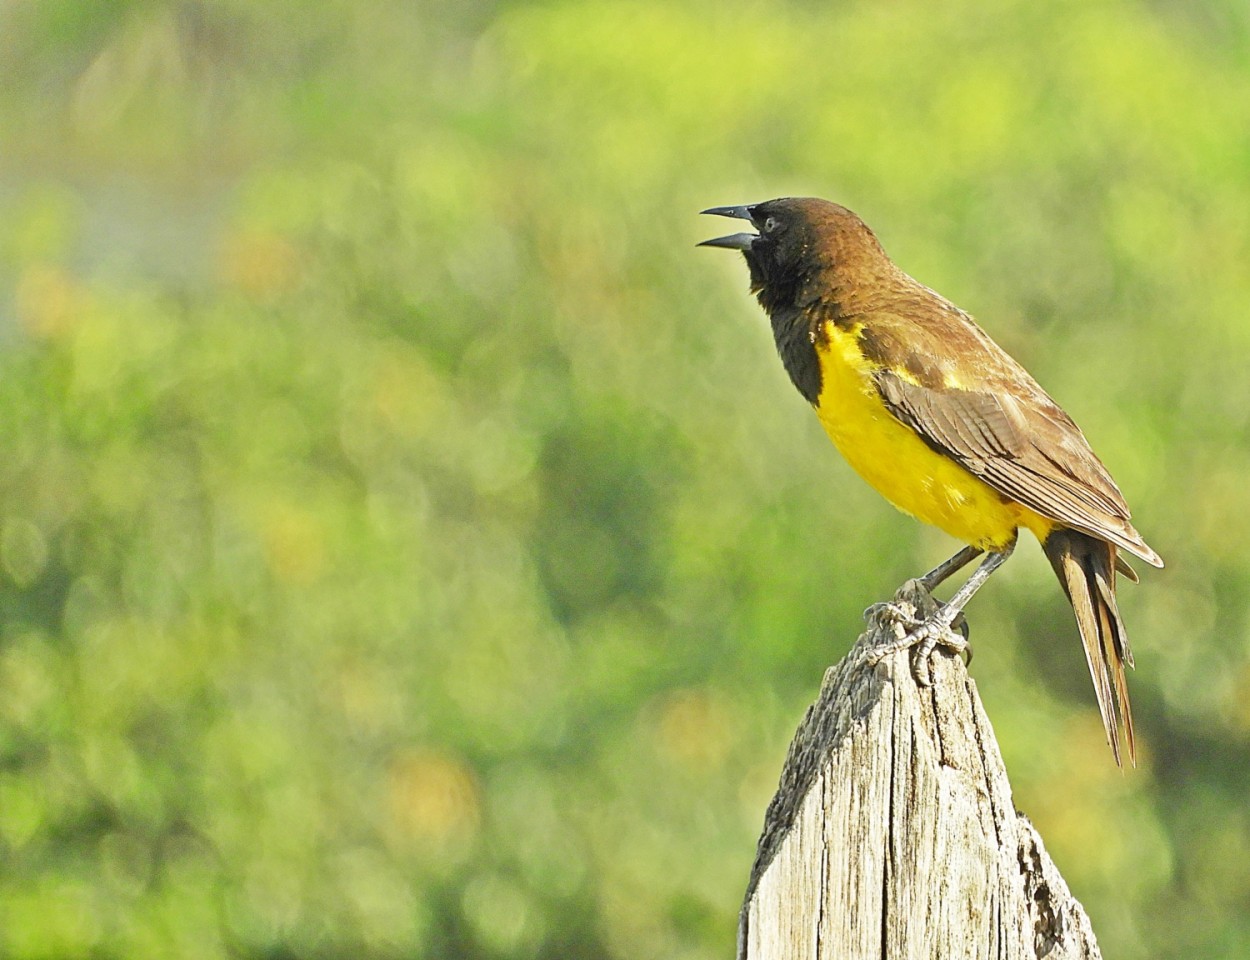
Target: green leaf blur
410	545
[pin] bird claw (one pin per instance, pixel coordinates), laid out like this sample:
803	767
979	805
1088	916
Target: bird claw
923	637
895	612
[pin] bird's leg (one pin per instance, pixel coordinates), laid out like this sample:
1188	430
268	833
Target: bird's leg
929	582
935	630
938	627
938	574
943	570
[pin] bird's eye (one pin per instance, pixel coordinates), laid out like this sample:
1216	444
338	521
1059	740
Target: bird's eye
770	224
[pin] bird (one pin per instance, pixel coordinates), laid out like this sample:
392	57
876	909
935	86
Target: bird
943	423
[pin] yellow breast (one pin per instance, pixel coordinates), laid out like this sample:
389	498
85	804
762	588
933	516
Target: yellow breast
899	465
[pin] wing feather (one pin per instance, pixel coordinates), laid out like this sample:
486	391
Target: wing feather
1034	454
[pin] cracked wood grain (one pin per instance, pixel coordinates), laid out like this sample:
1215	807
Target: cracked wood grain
893	833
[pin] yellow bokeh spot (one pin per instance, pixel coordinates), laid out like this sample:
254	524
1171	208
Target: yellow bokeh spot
433	797
49	302
695	730
407	394
260	264
294	543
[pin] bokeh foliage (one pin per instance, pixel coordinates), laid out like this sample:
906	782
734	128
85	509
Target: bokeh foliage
409	546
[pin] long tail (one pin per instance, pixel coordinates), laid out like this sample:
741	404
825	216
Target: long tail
1086	567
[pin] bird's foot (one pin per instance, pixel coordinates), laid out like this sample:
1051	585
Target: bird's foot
893	611
922	636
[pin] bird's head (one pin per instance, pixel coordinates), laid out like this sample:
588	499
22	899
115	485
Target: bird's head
798	240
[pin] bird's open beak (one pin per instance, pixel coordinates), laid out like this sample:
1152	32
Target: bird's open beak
735	241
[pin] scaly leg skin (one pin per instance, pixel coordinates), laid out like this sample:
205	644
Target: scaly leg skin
926	635
892	610
921	636
929	582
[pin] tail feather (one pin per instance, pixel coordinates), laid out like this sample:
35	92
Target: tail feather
1086	568
1123	567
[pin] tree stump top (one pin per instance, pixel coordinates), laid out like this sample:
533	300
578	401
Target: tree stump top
893	832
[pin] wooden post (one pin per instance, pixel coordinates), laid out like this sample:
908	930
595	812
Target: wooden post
893	833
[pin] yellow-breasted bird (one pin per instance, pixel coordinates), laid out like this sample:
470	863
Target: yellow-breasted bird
942	422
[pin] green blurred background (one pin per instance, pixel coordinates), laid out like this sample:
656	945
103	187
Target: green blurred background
410	545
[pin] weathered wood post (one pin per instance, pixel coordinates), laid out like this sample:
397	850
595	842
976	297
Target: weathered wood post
893	833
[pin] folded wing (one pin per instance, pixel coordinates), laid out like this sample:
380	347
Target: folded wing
1030	451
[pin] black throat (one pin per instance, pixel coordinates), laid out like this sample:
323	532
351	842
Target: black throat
796	328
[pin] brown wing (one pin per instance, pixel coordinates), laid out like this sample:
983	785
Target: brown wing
1009	434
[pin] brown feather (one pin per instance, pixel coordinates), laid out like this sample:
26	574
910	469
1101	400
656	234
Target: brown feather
1086	569
1014	450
